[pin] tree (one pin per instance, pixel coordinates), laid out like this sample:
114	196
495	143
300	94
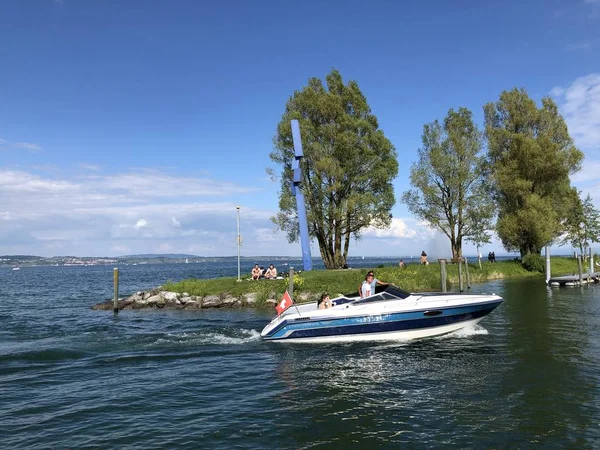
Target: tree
347	169
531	156
449	181
582	224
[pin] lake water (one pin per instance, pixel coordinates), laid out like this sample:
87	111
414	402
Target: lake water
527	377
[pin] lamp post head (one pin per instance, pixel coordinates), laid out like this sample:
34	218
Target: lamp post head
237	207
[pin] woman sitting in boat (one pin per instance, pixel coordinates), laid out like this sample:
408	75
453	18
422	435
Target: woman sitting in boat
271	272
324	302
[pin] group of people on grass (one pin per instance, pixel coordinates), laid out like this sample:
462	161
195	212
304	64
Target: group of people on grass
260	272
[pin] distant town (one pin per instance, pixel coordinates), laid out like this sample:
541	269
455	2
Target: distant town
32	261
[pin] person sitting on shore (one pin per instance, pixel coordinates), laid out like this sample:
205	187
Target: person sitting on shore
256	272
401	264
324	302
271	272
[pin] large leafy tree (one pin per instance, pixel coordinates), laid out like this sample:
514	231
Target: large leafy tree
347	169
449	181
582	224
531	156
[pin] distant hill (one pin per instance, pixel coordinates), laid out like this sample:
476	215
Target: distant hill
160	255
20	257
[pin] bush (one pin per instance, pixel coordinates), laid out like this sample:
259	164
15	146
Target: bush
534	263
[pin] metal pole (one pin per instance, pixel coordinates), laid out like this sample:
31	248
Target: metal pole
291	288
580	268
460	280
443	273
467	271
239	240
116	296
591	261
547	251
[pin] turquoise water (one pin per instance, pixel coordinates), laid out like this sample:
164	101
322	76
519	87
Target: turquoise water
70	377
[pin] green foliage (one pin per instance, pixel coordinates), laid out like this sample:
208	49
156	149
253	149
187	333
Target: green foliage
534	263
582	224
298	280
531	156
347	169
449	181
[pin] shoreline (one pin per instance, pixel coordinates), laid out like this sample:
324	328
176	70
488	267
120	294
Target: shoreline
158	298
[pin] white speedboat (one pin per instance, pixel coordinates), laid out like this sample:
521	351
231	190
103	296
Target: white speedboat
391	313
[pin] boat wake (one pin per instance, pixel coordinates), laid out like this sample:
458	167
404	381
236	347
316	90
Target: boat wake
468	331
225	336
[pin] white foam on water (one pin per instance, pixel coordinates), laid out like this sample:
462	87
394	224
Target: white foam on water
468	331
238	337
220	338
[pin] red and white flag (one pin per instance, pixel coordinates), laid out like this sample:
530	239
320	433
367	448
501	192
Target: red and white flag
285	303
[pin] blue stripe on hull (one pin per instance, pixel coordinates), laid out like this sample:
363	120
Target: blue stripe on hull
378	323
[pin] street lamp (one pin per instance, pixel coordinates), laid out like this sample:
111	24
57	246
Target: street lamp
238	239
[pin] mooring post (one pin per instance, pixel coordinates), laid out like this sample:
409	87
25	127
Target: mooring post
547	251
291	288
580	268
443	273
116	297
591	262
467	271
460	280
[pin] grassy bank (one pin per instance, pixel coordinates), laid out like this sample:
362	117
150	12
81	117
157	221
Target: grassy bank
414	278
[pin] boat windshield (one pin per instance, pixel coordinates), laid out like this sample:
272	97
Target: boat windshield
387	293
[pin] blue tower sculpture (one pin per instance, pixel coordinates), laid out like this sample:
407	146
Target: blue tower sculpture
297	192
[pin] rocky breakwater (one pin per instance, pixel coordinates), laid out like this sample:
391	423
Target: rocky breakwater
159	299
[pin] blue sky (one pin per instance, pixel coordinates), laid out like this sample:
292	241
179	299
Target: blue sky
138	126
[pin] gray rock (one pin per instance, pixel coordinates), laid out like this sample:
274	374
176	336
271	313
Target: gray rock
211	301
231	301
170	296
250	298
152	301
137	296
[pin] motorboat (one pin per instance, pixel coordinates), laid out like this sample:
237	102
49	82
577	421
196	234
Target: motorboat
391	313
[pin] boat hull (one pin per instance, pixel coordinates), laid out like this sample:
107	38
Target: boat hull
385	325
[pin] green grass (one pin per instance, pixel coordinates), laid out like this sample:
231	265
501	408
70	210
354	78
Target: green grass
414	278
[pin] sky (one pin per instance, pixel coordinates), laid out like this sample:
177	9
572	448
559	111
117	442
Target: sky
139	126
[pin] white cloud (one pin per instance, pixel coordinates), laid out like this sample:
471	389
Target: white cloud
27	146
120	250
397	229
142	223
590	171
175	222
19	145
164	248
579	104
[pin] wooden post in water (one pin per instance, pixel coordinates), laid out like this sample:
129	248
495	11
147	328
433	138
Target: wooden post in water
443	273
580	268
467	272
591	261
547	251
291	288
460	280
116	297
